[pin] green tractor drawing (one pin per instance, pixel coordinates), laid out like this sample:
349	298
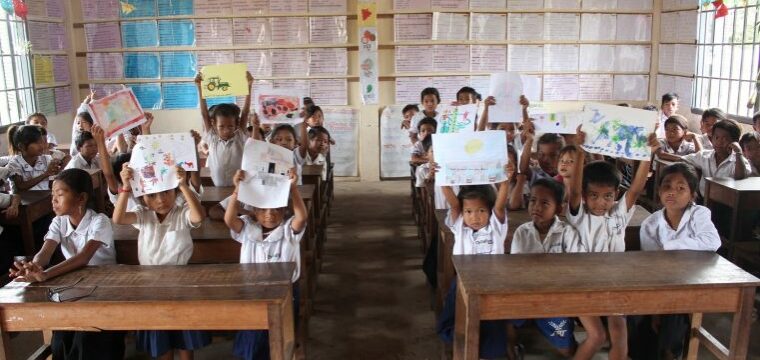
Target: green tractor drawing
216	83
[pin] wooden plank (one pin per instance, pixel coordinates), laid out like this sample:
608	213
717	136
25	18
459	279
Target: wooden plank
740	330
712	344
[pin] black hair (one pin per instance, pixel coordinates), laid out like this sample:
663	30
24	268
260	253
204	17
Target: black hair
650	107
37	114
410	107
624	104
748	138
311	110
427	121
731	127
668	97
688	172
512	151
430	91
568	149
714	112
756	117
212	111
601	173
226	110
118	162
284	127
307	102
477	192
467	90
84	115
557	189
83	137
20	137
79	181
316	130
427	142
551	138
678	120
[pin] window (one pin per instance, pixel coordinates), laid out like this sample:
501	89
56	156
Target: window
728	49
16	86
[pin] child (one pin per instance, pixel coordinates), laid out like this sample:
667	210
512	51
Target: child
546	233
266	236
510	127
725	160
429	98
756	122
425	129
517	182
408	112
87	153
164	239
678	140
750	143
669	107
467	95
601	220
284	135
566	165
40	119
424	175
313	148
548	148
30	168
84	119
225	134
85	238
478	219
709	118
680	225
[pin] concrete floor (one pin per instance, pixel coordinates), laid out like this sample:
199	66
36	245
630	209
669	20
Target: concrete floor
373	301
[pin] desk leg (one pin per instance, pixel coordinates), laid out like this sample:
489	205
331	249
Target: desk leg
466	326
5	345
281	332
741	325
696	323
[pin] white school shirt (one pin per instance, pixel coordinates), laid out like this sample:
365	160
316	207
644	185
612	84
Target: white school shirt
51	139
319	160
488	240
438	197
660	131
705	161
225	157
78	162
604	233
19	166
167	242
281	245
561	238
418	149
685	148
696	231
94	226
706	142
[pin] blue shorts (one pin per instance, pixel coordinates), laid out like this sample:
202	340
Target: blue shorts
254	344
558	331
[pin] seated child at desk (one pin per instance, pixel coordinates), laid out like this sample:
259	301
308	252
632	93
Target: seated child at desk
478	219
85	238
313	148
225	134
750	143
408	112
85	123
546	233
87	153
10	245
709	118
680	225
164	239
725	160
547	155
40	119
424	176
669	106
30	167
429	99
266	236
425	129
678	139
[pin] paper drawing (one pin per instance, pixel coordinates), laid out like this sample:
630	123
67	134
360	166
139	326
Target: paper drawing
278	107
117	112
224	80
618	131
455	119
266	184
154	158
472	158
506	88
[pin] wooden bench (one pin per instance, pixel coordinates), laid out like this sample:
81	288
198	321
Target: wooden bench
35	204
743	197
200	297
493	287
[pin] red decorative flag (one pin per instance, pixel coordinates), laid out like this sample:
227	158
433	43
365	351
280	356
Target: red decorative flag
721	9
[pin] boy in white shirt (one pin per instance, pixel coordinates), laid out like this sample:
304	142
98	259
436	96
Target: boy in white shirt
429	99
87	153
425	128
706	123
313	147
750	143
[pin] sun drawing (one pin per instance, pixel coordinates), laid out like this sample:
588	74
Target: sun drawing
473	146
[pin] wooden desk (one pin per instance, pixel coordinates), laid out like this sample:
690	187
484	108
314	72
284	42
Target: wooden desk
35	204
206	177
200	297
491	287
212	244
740	196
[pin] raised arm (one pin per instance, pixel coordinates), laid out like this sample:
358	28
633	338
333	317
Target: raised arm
527	150
195	176
299	208
575	192
145	127
524	103
104	159
483	123
197	214
304	144
694	139
255	127
204	108
231	213
516	193
247	104
120	214
642	173
500	206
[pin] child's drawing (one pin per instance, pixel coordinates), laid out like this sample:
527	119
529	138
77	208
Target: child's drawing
155	157
618	131
470	158
455	119
278	108
117	112
266	166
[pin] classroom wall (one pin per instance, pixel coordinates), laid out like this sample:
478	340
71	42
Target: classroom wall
368	116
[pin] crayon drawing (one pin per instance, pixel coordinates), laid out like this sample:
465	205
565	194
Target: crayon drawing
278	108
472	158
154	158
455	119
117	112
224	80
618	131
